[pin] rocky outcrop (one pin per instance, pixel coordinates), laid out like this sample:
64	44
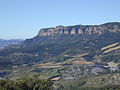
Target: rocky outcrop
81	29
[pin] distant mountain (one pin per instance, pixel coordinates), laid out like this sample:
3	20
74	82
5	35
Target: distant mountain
61	43
4	43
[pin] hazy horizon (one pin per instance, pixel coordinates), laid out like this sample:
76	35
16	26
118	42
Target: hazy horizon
23	19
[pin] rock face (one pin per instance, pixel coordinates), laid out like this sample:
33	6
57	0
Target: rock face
81	29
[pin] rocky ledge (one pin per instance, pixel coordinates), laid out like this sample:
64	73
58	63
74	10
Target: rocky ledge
81	29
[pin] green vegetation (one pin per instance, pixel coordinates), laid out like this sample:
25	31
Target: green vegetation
26	83
102	82
111	87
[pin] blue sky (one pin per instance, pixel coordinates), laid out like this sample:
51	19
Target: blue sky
21	19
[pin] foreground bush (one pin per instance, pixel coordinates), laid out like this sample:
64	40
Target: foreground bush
26	83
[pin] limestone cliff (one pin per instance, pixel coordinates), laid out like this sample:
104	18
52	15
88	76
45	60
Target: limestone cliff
81	29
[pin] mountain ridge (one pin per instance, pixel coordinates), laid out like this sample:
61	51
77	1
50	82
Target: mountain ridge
80	29
52	46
